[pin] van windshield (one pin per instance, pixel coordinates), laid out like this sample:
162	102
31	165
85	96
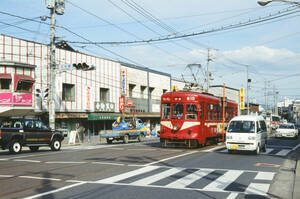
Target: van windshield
241	127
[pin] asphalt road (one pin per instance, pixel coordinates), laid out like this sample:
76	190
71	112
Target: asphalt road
144	170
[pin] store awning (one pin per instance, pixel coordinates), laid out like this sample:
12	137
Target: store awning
5	76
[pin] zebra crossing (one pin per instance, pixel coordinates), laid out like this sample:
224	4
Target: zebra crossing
269	151
200	179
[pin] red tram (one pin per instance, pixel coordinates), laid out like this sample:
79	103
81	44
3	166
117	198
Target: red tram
193	118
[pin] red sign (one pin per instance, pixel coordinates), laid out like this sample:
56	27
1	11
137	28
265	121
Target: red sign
129	102
121	103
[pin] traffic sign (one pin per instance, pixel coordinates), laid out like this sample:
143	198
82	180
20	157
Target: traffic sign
129	102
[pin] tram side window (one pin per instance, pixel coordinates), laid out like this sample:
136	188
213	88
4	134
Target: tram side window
202	111
177	111
166	111
191	112
207	112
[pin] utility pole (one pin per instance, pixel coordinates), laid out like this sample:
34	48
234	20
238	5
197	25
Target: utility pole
266	105
52	71
248	81
55	6
207	70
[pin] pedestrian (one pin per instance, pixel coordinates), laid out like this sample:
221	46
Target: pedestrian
80	131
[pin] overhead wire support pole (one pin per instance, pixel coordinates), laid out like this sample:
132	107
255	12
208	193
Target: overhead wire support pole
207	70
52	71
248	111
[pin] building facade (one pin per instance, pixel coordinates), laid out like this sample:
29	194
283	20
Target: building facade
86	93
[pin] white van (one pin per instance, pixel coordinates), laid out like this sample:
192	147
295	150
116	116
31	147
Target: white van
247	133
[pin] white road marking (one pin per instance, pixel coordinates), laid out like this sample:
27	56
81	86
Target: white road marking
257	188
22	160
223	181
6	176
189	179
232	195
4	159
58	162
296	147
264	176
55	190
268	151
157	177
283	152
108	163
214	149
40	178
142	149
117	148
127	175
185	154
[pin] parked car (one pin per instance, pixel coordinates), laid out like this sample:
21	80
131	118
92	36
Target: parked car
246	133
287	130
16	133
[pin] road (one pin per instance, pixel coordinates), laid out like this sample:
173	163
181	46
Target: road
143	170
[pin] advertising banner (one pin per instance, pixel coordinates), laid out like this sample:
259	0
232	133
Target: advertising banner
121	103
5	99
242	99
22	99
124	82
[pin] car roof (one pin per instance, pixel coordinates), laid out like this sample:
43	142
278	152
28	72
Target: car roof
248	117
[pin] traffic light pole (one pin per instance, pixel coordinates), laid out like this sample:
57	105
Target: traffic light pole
52	71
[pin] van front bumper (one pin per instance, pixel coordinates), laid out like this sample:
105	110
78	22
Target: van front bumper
241	146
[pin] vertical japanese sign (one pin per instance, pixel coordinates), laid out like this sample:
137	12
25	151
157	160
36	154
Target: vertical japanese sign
121	103
123	82
242	99
88	98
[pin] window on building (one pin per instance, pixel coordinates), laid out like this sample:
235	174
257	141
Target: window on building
24	85
68	93
143	88
151	89
5	84
104	94
131	87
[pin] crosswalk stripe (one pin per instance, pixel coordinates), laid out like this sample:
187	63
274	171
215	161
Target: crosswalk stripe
222	182
157	177
283	152
268	151
189	179
127	175
257	188
264	176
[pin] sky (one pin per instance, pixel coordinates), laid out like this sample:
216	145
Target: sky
269	47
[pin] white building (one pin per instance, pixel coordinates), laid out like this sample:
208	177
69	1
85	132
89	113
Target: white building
82	96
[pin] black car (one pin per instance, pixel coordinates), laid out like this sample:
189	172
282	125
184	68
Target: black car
16	133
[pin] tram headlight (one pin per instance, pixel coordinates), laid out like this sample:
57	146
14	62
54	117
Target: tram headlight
176	127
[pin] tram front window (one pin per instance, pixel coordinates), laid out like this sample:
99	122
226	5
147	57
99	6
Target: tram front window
166	111
191	112
177	111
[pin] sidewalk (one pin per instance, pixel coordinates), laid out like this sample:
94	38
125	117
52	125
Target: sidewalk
296	193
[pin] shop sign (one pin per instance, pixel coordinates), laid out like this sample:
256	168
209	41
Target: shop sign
104	107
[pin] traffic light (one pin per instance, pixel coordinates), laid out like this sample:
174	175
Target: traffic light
83	66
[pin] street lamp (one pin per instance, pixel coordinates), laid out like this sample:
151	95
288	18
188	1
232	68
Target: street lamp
265	2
